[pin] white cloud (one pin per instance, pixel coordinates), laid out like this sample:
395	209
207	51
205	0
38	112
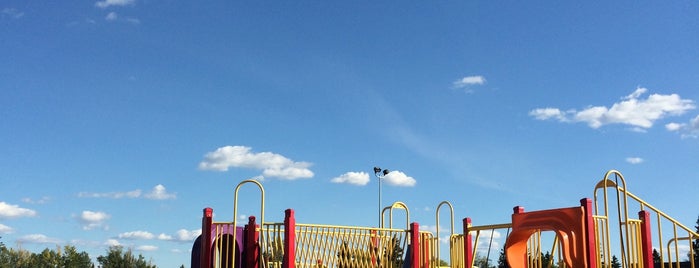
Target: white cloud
356	178
688	130
112	243
4	229
181	235
114	195
271	164
160	193
157	193
108	3
135	235
397	178
468	81
40	201
147	248
132	20
112	16
164	237
548	113
8	211
11	13
638	113
634	160
185	235
674	126
38	239
93	219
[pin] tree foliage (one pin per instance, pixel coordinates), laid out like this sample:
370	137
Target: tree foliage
615	262
67	257
117	257
502	259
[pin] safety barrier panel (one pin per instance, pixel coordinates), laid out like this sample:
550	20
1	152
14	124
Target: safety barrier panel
635	235
320	246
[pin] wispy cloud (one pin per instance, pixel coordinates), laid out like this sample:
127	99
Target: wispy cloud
638	113
397	178
109	3
136	235
38	239
147	248
9	211
11	13
634	160
468	81
93	219
111	16
42	200
687	130
181	235
4	229
112	242
356	178
114	195
159	192
271	164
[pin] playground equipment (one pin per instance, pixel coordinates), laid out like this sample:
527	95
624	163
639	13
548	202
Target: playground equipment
582	237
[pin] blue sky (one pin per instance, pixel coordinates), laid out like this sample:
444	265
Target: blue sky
120	120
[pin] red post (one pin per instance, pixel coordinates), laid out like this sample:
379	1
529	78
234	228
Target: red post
415	245
425	253
468	243
289	260
590	241
375	250
252	242
206	220
646	238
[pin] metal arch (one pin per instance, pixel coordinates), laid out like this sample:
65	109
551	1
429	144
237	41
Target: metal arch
397	204
262	200
451	210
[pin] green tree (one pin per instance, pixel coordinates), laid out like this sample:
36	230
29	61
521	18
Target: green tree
394	253
481	261
117	258
615	262
656	256
72	259
502	259
47	258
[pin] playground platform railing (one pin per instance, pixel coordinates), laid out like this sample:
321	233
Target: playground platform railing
652	230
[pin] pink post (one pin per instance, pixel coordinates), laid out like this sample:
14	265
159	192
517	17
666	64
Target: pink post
590	241
206	220
415	245
289	260
251	248
468	243
646	238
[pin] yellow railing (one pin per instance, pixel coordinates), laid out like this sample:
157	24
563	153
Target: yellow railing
223	249
320	246
457	250
630	230
476	232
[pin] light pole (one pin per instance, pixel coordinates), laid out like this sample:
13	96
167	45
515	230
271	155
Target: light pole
380	174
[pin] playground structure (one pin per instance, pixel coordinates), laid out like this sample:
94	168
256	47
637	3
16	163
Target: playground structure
589	235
